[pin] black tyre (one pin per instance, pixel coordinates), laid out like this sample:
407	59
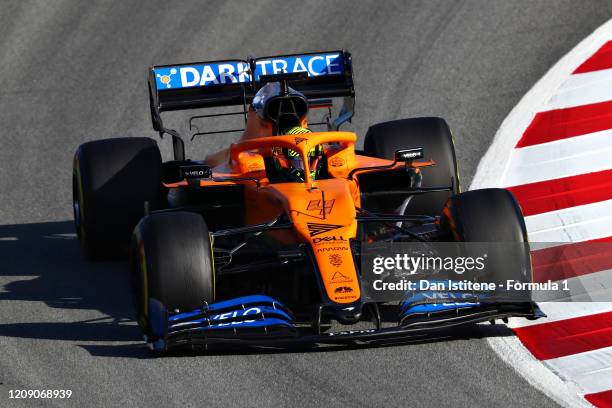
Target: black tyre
172	263
112	179
487	215
492	216
433	134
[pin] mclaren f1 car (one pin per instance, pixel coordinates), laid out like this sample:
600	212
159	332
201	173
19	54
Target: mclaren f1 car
260	243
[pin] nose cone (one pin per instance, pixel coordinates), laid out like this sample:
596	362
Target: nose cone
324	217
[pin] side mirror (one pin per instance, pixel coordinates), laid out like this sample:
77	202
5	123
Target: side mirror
408	155
195	171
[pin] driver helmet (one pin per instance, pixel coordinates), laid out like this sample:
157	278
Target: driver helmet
289	164
280	104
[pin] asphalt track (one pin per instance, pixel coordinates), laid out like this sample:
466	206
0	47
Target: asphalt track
75	71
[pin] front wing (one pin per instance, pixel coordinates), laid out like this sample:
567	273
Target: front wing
263	321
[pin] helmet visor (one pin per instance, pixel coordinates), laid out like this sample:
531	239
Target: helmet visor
295	160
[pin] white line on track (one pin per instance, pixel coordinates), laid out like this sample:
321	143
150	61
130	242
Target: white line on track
583	89
592	287
591	370
563	310
573	224
512	351
562	158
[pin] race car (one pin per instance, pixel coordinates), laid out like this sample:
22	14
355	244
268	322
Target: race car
261	243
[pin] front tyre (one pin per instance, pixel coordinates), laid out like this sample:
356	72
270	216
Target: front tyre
172	264
487	216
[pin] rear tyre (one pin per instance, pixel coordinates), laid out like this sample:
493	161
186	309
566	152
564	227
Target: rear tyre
433	134
492	215
172	264
112	179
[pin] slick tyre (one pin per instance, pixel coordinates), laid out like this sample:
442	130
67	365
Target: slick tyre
433	134
172	264
112	180
492	216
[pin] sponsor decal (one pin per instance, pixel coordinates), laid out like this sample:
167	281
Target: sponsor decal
328	240
299	140
202	75
349	332
337	162
316	229
237	71
313	65
343	289
218	319
335	260
197	171
166	79
345	297
338	277
409	154
194	173
316	205
333	249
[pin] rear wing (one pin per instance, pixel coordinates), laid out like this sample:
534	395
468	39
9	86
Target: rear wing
234	82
